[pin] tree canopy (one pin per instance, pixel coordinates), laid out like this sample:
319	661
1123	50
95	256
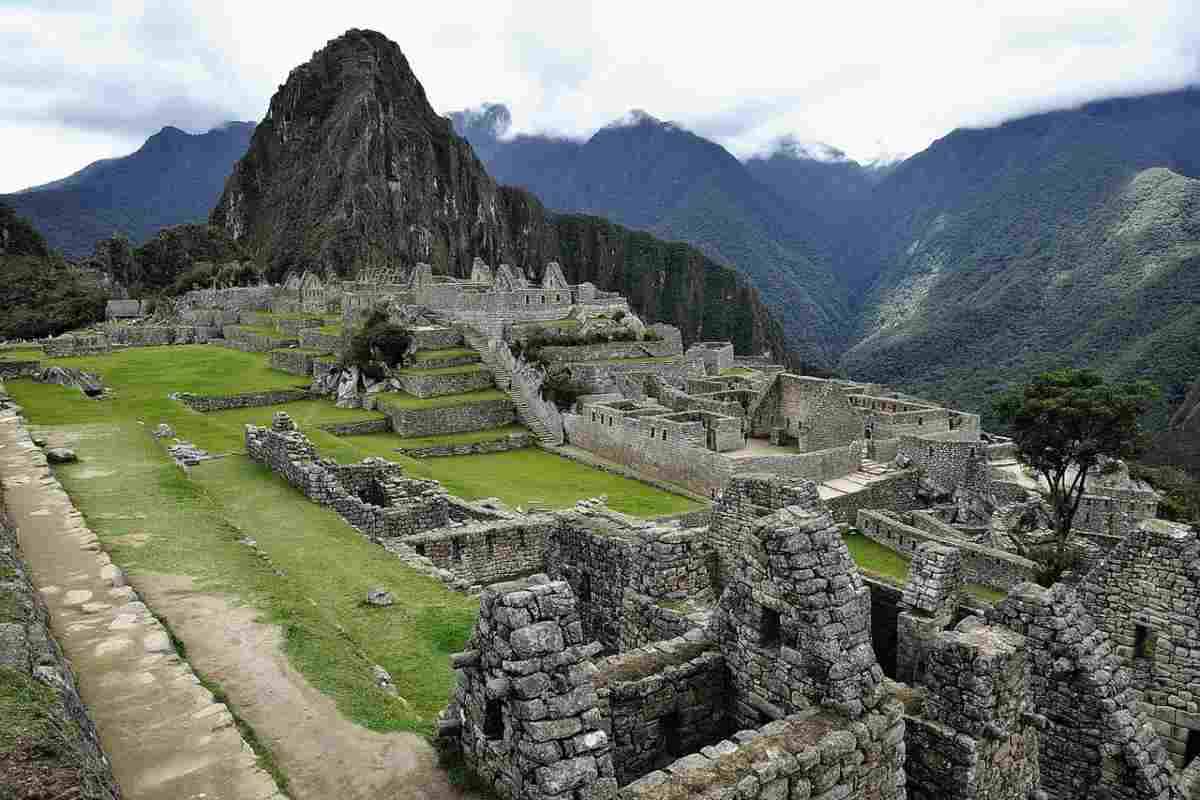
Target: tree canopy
1064	424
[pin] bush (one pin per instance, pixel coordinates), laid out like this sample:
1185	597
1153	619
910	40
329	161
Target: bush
379	344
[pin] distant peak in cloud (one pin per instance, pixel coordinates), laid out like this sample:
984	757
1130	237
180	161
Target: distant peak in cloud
636	117
791	147
485	121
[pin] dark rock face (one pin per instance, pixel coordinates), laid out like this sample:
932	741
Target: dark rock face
352	162
352	166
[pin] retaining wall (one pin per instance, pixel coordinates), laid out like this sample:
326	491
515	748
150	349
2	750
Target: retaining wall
984	565
429	384
413	422
222	402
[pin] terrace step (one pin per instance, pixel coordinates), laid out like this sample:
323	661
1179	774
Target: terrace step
503	379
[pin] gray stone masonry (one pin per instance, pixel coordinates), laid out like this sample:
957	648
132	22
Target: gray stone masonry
661	702
794	622
989	566
373	496
816	754
1093	739
432	384
927	606
1145	595
525	709
514	441
478	416
972	739
218	402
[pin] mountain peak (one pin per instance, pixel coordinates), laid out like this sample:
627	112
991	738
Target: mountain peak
636	118
487	121
791	147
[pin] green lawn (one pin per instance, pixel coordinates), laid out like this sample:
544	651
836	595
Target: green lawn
405	400
23	354
520	477
263	330
154	519
461	370
453	352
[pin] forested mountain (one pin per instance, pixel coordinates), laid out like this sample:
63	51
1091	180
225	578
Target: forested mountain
352	164
40	294
658	177
174	178
1067	238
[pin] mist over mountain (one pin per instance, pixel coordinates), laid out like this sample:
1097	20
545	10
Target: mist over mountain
174	178
659	177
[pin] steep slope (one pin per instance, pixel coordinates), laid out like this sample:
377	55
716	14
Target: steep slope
1070	238
173	178
352	166
40	294
658	177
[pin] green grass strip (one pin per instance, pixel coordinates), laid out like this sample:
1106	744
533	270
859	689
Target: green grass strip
405	400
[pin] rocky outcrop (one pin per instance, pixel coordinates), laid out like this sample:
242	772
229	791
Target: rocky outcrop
352	166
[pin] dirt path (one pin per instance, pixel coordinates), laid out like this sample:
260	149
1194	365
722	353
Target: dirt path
166	737
322	754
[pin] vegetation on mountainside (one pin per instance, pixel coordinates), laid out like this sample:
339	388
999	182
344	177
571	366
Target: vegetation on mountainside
1065	424
174	261
40	294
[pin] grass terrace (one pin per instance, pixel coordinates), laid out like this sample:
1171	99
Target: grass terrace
438	355
22	354
405	400
461	370
263	330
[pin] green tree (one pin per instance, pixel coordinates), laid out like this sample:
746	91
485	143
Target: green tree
1064	423
379	342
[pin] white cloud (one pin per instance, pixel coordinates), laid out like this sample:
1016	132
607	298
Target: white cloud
866	77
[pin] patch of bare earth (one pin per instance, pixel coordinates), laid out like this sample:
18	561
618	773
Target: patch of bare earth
323	754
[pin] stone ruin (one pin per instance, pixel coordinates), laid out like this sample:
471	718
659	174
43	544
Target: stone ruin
749	670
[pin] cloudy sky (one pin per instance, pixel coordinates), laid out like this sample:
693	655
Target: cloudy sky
86	80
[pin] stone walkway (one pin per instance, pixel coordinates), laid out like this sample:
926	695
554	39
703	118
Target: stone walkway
868	472
166	736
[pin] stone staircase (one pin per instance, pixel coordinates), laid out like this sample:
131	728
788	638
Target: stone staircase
503	377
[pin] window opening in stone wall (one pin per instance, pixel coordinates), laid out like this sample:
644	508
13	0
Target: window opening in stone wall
493	720
672	739
931	452
920	421
769	628
420	548
456	550
664	434
490	538
1141	642
585	588
1192	749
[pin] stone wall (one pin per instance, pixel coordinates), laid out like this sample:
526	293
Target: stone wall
250	341
294	361
815	411
661	702
514	441
949	463
645	620
794	622
223	402
525	714
744	501
488	552
1094	741
816	754
554	354
596	560
989	566
1146	596
315	339
360	428
897	491
424	383
373	496
601	377
31	661
478	416
972	739
18	369
77	344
